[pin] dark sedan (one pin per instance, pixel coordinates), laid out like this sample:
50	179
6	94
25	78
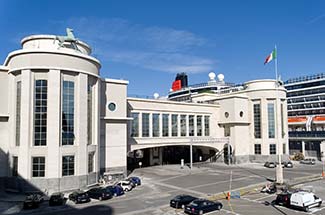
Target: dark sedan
181	200
79	197
116	190
56	199
270	164
99	193
201	206
32	201
283	199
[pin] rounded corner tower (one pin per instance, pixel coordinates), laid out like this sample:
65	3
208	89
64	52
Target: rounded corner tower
54	112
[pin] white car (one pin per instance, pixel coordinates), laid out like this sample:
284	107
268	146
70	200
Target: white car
126	185
305	200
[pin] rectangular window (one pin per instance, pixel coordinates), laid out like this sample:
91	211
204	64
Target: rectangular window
183	125
91	162
227	131
14	166
155	125
165	125
174	125
257	149
68	113
271	123
191	125
145	125
38	169
198	125
135	125
257	120
284	148
272	149
89	114
282	122
67	165
206	125
40	112
18	108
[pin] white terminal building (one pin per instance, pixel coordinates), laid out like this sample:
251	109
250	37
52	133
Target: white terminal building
62	125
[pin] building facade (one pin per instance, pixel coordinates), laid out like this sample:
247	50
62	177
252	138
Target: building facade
62	125
306	114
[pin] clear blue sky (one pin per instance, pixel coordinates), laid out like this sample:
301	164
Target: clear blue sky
148	42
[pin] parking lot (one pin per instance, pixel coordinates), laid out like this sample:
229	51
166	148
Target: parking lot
161	183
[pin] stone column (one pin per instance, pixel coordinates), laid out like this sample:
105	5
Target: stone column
303	148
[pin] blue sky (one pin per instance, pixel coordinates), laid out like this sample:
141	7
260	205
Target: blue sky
147	42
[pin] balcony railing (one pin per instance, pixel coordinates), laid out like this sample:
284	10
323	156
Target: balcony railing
307	134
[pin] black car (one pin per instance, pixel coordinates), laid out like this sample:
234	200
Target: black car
283	199
79	197
32	201
288	164
201	206
181	200
56	199
99	193
270	164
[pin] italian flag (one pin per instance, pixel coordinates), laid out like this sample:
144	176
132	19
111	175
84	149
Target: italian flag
270	57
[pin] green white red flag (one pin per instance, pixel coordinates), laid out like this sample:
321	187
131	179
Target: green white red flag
270	57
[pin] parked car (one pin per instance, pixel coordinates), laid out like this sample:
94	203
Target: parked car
310	161
181	200
288	164
99	193
116	190
79	196
32	201
270	164
283	199
135	180
201	206
56	199
305	200
126	185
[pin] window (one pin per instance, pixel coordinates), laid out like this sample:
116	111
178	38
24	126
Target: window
155	124
257	120
257	149
135	125
191	125
18	108
40	112
206	125
284	148
282	121
14	166
183	125
67	165
165	125
91	162
198	125
227	131
174	125
271	123
112	106
145	125
68	113
38	169
89	114
272	149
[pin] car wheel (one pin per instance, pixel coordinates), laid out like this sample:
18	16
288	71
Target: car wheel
219	207
100	198
127	189
306	209
200	212
319	204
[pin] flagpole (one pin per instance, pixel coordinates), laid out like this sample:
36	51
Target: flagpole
279	170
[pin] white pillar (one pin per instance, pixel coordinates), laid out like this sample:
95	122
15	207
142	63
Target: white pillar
303	148
53	124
